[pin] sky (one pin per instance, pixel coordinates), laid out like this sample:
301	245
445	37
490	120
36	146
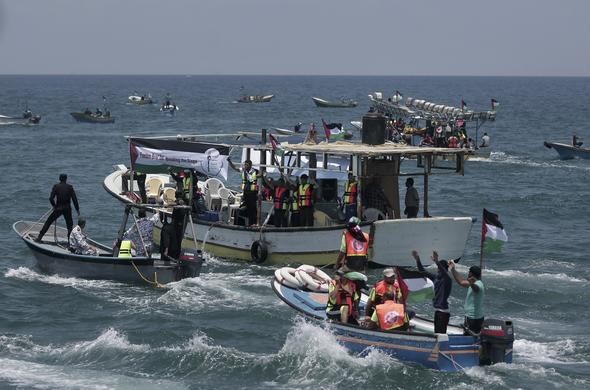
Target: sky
296	37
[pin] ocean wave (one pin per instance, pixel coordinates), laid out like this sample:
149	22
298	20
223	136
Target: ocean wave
562	351
505	158
30	275
516	274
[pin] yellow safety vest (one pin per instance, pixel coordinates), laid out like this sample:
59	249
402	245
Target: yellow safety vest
125	249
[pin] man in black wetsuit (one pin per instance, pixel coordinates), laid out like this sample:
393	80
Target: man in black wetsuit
61	196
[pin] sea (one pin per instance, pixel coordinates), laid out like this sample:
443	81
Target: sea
227	329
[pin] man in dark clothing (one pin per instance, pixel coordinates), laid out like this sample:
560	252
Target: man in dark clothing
61	196
442	289
169	248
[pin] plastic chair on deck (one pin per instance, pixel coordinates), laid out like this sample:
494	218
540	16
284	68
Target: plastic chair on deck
169	195
212	197
152	187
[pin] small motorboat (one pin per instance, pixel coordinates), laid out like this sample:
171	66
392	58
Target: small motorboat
27	118
141	99
90	117
342	103
568	152
452	351
54	257
169	108
255	98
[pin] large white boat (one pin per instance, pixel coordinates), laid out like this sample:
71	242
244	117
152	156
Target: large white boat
392	238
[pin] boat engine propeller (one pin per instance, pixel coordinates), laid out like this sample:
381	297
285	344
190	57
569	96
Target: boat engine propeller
497	337
190	262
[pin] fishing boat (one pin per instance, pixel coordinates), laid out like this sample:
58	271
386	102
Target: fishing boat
27	118
53	256
568	152
141	99
255	98
90	117
341	103
222	232
419	344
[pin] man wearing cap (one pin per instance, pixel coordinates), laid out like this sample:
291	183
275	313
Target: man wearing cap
442	289
78	240
473	306
343	298
61	195
389	284
353	247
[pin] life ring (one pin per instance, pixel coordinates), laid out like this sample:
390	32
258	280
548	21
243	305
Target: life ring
312	278
287	277
258	252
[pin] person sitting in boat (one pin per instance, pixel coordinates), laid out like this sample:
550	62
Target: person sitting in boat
87	111
98	112
343	299
427	141
350	196
389	284
78	240
389	315
485	141
353	247
141	233
576	141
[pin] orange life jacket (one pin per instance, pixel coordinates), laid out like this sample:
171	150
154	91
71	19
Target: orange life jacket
280	198
350	193
355	247
304	192
391	315
382	288
345	294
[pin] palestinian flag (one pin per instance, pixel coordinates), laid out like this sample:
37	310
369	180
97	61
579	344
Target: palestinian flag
276	146
492	231
495	104
414	285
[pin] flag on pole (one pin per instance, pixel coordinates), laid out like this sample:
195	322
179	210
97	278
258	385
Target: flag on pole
492	231
494	104
326	130
463	104
276	146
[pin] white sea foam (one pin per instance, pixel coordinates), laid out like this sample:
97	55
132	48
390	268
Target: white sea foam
31	375
537	276
505	158
549	352
30	275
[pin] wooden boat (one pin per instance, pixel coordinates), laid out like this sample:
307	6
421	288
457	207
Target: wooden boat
141	100
26	119
568	152
220	234
255	98
342	103
92	118
53	256
452	351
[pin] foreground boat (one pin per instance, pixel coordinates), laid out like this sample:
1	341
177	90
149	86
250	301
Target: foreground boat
92	118
342	103
452	351
221	231
53	257
568	152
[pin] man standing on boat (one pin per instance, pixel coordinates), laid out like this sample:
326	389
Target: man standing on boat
305	193
475	294
280	201
350	197
62	194
412	199
353	247
250	189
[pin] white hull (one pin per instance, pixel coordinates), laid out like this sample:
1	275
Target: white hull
393	240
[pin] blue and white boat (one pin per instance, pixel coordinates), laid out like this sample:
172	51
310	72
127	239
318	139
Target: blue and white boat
452	351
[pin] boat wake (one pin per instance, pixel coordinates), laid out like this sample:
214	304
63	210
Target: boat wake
516	274
505	158
30	275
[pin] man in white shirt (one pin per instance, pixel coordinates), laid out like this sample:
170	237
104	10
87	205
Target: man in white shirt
78	240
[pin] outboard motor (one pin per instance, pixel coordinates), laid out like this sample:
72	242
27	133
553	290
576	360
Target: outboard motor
497	337
190	262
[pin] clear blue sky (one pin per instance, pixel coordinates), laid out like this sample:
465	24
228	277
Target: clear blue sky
296	37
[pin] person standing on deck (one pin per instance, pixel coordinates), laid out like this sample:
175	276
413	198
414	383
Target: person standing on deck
250	190
412	199
474	314
350	196
353	247
61	195
280	201
305	193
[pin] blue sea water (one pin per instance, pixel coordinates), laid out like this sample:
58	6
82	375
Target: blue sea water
227	329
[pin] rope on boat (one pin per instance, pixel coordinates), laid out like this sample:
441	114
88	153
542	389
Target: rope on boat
37	223
450	358
154	283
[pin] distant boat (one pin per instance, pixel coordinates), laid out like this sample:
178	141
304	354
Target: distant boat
90	117
27	118
255	98
568	152
342	103
169	108
141	100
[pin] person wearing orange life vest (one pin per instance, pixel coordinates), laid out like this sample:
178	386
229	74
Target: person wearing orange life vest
389	315
305	194
281	197
389	284
353	247
343	299
350	197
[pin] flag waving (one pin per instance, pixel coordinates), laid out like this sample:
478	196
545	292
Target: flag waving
494	104
463	104
492	230
276	147
326	130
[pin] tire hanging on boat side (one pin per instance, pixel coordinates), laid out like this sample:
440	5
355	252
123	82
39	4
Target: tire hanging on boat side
258	252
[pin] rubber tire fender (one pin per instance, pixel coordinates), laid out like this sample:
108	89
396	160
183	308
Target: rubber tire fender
258	252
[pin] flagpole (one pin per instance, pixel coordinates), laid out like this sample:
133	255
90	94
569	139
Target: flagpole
481	242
